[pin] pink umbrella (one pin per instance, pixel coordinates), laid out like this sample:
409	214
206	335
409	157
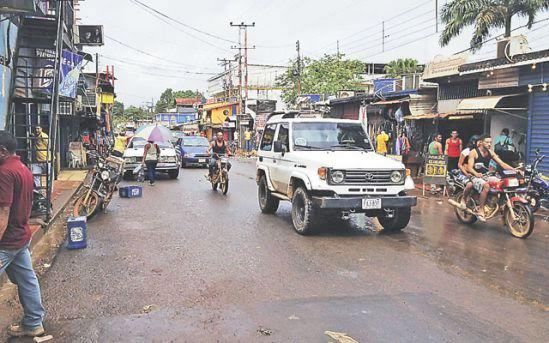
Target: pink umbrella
155	133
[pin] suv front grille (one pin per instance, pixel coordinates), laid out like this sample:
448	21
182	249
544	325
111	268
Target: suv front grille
367	177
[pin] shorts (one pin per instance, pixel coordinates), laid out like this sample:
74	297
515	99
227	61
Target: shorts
478	184
462	178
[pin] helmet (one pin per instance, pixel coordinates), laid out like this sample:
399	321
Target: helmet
473	141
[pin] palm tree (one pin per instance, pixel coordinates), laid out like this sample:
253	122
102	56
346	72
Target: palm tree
401	67
485	15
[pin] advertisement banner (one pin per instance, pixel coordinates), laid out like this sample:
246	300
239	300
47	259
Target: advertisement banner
71	65
43	75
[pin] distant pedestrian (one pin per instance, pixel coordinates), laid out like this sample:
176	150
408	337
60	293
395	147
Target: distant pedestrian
403	146
504	147
42	161
381	143
454	146
120	143
248	139
435	149
151	155
16	187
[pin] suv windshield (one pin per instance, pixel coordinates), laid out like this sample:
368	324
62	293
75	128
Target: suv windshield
195	141
330	136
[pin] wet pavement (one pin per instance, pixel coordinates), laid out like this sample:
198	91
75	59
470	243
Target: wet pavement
186	264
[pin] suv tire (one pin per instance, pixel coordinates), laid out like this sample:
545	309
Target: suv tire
267	202
398	222
304	215
173	174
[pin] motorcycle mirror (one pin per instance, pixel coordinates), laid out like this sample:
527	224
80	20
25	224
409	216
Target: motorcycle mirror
538	151
480	166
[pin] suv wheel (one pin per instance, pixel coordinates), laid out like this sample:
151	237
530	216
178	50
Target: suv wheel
304	215
267	202
174	174
397	222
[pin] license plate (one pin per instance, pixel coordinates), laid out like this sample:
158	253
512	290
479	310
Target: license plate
201	160
371	204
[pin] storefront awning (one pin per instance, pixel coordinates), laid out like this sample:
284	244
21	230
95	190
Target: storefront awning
426	116
484	103
390	102
208	107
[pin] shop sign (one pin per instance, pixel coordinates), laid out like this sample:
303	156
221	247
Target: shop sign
107	98
229	124
90	35
435	170
445	66
244	122
71	65
499	78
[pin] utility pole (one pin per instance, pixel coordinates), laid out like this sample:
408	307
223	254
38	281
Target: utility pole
298	49
243	28
227	63
436	13
383	36
338	48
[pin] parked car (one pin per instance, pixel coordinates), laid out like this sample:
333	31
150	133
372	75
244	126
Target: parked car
193	151
168	163
328	169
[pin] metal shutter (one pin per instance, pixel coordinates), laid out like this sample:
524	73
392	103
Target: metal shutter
538	129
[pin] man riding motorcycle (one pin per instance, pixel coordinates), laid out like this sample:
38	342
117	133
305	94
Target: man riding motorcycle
463	165
218	147
483	154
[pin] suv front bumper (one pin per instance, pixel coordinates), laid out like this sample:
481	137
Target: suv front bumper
355	203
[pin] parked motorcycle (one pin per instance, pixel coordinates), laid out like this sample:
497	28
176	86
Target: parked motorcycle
504	198
98	192
537	187
220	178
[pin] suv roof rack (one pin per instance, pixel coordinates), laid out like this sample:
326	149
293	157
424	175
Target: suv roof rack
293	114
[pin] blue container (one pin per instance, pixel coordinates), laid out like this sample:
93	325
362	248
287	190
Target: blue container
130	192
77	237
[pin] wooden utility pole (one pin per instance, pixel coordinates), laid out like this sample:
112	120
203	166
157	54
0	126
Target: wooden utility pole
228	69
436	13
298	49
338	48
243	28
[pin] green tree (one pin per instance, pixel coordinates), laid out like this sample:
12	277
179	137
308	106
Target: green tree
326	76
486	15
401	67
118	109
167	98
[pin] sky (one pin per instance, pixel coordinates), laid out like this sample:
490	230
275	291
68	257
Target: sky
151	53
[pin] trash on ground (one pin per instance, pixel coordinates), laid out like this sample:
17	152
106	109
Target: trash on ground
340	337
42	339
148	309
293	317
265	331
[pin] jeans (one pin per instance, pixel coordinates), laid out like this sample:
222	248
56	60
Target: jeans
37	170
249	146
151	170
18	267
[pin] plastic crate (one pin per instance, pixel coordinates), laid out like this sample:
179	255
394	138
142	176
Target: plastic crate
130	191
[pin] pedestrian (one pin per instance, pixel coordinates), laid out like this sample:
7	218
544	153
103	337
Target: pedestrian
151	155
119	144
504	147
16	187
381	140
248	139
403	146
454	146
42	161
435	149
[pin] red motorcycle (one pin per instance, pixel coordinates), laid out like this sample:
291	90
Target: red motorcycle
505	198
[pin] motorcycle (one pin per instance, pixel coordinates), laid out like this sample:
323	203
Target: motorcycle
220	178
537	192
504	198
98	192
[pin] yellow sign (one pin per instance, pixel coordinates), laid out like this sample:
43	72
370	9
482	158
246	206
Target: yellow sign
107	98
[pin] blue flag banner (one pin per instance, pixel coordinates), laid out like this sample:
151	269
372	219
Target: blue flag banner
71	65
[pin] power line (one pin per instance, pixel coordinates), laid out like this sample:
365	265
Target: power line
181	23
152	66
161	18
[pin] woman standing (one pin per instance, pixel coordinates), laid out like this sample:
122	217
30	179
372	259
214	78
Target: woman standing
454	146
150	159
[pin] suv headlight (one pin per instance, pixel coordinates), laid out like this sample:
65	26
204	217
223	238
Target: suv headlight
397	176
129	159
337	176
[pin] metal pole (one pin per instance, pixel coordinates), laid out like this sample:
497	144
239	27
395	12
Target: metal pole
436	13
298	49
383	36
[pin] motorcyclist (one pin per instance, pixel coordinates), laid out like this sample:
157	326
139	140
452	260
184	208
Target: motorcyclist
483	154
218	147
465	176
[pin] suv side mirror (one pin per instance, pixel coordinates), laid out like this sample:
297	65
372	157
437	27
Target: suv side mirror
278	147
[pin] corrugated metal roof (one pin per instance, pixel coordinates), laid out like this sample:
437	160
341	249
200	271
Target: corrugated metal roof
482	103
531	57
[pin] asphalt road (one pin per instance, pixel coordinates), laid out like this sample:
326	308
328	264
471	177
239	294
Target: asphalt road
186	264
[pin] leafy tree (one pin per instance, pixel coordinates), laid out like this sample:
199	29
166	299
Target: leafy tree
401	67
131	113
118	109
326	75
167	98
486	15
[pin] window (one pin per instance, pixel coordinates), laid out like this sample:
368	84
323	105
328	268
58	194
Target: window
268	137
284	136
330	136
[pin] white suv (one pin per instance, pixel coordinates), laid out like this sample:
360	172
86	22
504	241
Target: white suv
328	169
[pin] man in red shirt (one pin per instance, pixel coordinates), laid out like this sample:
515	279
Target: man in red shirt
454	146
16	185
